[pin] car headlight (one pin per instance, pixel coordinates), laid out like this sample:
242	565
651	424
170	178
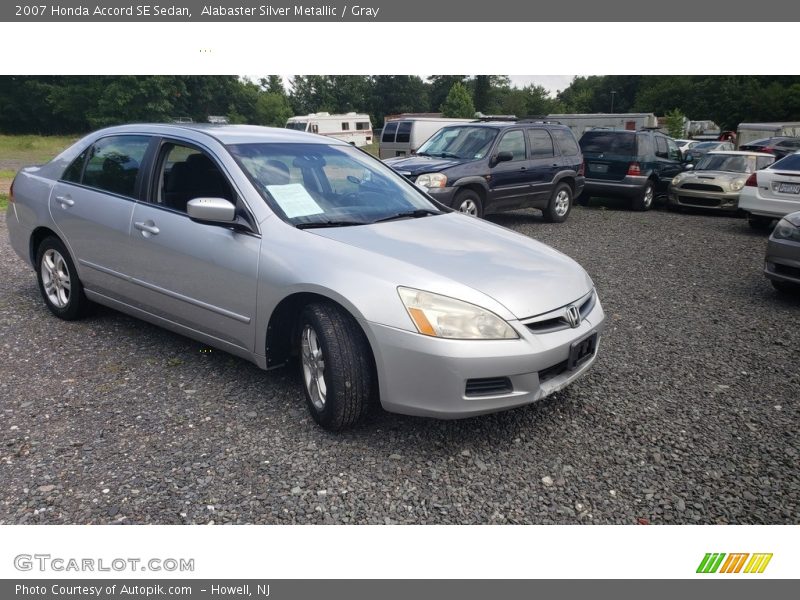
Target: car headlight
432	180
440	316
737	184
784	230
677	179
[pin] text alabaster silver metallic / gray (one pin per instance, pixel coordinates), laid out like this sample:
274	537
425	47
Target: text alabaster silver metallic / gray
221	285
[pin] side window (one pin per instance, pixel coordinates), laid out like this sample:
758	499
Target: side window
403	132
661	147
345	126
75	170
674	152
541	143
644	145
362	125
763	161
186	173
514	142
113	164
389	129
314	128
566	141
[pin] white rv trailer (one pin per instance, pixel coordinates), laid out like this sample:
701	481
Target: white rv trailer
353	128
581	122
749	132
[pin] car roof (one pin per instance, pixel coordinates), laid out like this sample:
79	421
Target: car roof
741	153
507	124
225	134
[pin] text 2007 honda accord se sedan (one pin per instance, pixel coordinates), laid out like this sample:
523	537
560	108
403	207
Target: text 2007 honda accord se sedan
271	244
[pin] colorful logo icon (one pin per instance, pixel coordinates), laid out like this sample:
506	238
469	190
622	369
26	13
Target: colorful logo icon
734	563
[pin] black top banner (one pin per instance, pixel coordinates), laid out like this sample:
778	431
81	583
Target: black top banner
399	11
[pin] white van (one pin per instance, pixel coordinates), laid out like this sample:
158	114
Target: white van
402	137
353	128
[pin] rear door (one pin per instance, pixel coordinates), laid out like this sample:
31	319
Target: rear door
668	161
545	163
92	207
509	181
200	275
608	154
387	146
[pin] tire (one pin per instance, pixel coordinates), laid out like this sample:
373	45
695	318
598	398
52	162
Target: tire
583	199
336	366
759	222
644	201
58	280
560	204
785	287
469	203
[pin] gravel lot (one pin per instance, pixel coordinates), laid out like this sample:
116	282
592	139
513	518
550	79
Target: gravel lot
690	415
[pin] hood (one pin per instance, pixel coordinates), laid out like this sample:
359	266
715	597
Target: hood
525	276
793	218
719	177
416	165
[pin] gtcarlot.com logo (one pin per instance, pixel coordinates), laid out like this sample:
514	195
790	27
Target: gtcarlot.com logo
739	562
47	562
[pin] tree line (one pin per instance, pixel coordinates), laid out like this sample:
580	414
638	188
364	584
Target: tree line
61	104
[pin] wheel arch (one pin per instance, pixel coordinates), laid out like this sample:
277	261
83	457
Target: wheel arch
38	235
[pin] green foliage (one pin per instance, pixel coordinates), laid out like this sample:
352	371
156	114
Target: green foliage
675	120
458	104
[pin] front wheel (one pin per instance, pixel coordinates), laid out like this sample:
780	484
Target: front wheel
336	366
59	285
644	201
469	203
560	204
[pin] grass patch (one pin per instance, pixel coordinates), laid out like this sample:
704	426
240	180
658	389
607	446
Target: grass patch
33	149
371	148
3	201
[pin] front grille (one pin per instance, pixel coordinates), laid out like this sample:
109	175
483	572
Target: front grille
787	270
702	187
560	322
553	371
488	386
699	201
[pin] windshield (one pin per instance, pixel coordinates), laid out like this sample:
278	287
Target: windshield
296	125
330	185
460	142
727	162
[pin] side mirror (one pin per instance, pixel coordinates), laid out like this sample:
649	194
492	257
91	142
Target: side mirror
503	156
688	166
214	210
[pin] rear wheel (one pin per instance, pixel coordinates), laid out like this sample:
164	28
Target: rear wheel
644	201
59	285
759	222
469	203
339	379
560	204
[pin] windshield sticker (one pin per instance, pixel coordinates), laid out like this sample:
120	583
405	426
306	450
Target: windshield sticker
294	200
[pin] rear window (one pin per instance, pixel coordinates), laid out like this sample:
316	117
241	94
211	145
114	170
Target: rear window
612	142
566	142
789	163
389	129
403	132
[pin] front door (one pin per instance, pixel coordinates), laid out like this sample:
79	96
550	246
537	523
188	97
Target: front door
509	181
200	275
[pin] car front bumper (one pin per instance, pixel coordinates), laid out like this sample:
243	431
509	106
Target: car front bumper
427	376
782	262
629	186
726	201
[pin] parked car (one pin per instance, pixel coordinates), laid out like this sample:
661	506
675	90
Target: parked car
402	137
483	168
638	165
717	179
272	244
778	146
773	192
699	150
782	263
684	145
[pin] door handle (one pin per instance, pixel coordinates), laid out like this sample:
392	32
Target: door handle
147	227
65	201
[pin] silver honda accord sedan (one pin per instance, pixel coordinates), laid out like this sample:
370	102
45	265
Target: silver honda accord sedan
276	245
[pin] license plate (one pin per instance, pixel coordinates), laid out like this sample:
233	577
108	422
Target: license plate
581	351
789	188
598	168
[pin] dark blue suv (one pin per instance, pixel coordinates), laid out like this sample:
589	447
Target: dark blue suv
486	167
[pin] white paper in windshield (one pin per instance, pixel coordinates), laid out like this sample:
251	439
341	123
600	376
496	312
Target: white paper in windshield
294	200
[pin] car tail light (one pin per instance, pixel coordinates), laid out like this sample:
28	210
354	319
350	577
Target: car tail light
634	169
582	168
752	181
768	150
11	191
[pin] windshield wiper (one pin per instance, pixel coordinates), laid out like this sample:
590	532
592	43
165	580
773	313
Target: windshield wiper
320	224
449	155
423	154
410	214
